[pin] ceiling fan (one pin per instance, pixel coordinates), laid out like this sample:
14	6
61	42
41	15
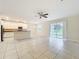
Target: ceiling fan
42	14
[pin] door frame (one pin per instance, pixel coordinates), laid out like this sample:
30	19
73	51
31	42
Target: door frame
65	22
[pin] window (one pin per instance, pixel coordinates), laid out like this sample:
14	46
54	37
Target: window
39	28
56	30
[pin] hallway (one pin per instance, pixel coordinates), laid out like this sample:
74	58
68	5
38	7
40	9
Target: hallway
38	48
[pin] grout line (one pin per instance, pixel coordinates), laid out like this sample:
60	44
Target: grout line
68	52
5	51
55	55
16	50
73	41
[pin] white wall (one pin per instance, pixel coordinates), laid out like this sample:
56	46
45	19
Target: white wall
1	7
43	30
73	28
32	28
0	30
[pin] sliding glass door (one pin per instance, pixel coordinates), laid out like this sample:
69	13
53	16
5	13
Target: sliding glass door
57	30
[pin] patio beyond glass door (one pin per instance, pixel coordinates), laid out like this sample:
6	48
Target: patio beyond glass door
57	30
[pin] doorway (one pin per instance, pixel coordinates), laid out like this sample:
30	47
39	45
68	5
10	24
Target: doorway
57	30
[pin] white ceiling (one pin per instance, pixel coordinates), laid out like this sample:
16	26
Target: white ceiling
27	9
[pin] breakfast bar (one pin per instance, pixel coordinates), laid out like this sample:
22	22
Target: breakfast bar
19	35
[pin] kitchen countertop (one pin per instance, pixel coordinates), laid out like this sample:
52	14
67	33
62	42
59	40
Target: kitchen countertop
14	30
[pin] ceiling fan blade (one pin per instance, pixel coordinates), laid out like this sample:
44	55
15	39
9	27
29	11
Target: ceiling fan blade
41	14
46	14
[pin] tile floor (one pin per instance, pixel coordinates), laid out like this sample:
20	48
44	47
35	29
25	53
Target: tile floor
38	48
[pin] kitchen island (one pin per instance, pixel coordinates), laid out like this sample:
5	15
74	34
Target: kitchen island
19	35
16	34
